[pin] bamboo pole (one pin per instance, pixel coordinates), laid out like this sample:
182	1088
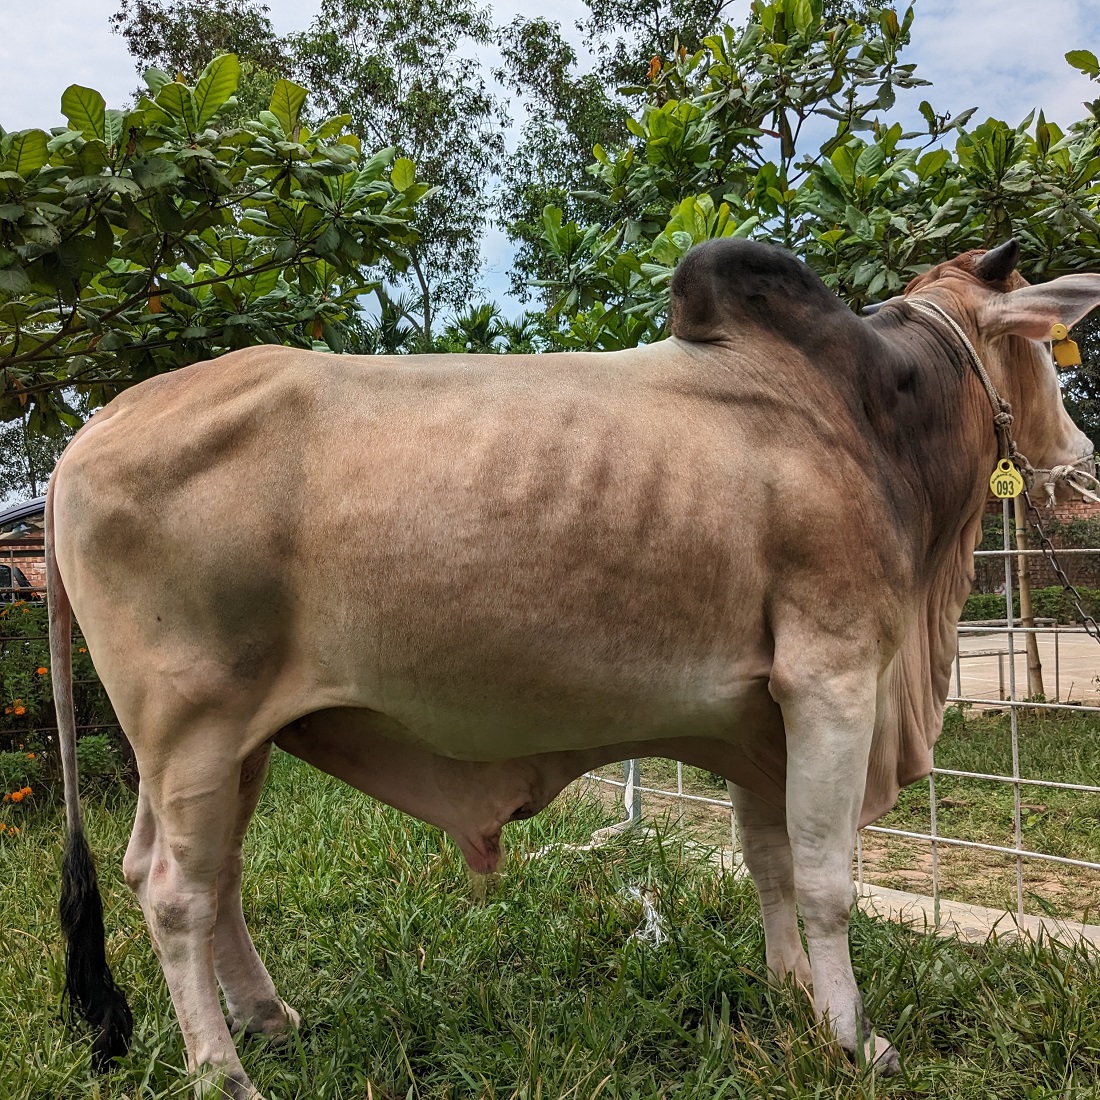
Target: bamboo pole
1027	618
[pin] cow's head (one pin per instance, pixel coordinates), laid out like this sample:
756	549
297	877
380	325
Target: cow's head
1010	323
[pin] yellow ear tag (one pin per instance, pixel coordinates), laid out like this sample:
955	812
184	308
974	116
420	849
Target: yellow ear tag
1066	351
1006	481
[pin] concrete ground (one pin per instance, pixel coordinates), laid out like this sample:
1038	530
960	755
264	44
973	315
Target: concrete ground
1071	666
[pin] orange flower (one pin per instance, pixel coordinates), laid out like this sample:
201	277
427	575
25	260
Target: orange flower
3	826
17	796
7	797
20	710
42	671
26	791
7	710
30	756
82	650
13	830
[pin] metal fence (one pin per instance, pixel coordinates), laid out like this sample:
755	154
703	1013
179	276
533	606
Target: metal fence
1010	642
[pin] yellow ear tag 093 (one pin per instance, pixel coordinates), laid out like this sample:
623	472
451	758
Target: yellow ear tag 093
1006	481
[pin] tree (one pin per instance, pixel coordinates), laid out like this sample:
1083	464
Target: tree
133	242
719	148
400	70
27	459
568	113
478	329
181	36
572	109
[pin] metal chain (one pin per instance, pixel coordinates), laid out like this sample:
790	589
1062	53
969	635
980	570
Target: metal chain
1089	623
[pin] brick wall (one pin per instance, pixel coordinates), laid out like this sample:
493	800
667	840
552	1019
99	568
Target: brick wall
29	555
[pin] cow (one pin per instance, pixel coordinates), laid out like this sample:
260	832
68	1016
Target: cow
459	582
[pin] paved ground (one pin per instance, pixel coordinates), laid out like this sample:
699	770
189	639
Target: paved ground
1071	666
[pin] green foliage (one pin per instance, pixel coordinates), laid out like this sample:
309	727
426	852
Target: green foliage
133	242
719	146
574	104
401	72
180	36
1046	603
26	694
97	757
18	769
476	329
26	697
26	459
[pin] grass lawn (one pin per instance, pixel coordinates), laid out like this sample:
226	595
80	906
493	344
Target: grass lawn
415	981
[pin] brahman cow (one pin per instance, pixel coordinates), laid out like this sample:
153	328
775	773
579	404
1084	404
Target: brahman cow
458	582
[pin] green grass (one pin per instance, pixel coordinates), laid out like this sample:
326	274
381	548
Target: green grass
413	985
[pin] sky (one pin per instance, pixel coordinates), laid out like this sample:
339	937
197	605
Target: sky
1001	56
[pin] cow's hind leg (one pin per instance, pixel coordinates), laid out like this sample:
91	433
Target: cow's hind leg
253	1004
767	850
186	813
829	719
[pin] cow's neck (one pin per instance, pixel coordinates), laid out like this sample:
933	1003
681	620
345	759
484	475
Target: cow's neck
942	448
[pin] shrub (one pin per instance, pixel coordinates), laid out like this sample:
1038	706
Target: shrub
97	757
28	757
19	769
1046	603
26	694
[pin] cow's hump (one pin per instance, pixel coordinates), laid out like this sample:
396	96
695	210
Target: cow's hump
723	286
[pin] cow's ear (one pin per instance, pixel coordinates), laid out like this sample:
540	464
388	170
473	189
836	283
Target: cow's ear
1033	310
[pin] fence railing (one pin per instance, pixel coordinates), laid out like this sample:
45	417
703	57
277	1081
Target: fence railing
1073	658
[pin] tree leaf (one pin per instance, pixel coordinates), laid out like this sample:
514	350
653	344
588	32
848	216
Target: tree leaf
113	127
870	160
155	79
286	104
1085	60
219	80
28	152
331	127
176	100
403	174
84	108
13	281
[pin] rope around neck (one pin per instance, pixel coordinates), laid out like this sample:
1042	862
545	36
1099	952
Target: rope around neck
1002	410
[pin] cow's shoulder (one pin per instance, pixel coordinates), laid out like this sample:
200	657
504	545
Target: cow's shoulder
723	287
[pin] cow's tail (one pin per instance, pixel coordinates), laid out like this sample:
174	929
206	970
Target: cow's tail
90	990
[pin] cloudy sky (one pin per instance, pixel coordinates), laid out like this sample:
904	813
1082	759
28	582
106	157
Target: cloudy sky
1001	56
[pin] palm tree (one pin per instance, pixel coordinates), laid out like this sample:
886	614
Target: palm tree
521	336
478	329
394	332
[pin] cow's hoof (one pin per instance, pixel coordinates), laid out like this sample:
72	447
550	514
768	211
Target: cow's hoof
234	1085
881	1056
274	1020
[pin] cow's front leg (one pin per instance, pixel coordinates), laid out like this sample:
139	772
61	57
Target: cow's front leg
829	721
767	851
